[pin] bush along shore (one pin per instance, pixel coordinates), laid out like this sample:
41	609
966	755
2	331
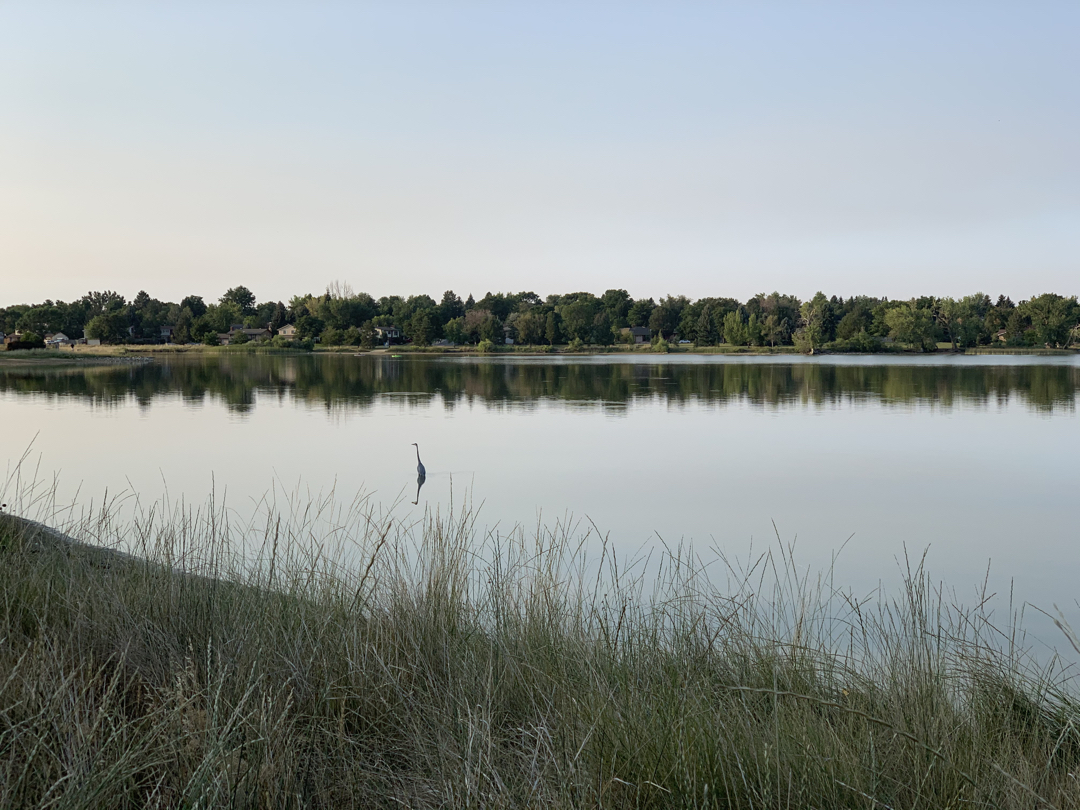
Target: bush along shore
442	669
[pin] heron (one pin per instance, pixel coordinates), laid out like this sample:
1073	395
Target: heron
419	464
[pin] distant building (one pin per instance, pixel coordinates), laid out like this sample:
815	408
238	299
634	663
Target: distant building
288	331
255	335
167	333
387	334
57	339
1000	335
640	334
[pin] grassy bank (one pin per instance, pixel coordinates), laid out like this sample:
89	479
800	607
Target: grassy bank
58	359
1032	350
445	670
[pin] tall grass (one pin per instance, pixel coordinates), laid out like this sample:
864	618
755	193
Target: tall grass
429	665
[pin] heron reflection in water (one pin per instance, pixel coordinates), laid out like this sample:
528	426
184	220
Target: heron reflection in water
421	473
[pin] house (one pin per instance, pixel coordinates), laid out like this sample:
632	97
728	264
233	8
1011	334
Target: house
640	334
1000	335
387	334
257	333
288	331
166	333
253	335
57	339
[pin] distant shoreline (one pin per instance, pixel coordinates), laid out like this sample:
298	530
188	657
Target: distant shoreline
123	354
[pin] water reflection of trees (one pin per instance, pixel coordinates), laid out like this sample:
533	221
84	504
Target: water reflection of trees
350	382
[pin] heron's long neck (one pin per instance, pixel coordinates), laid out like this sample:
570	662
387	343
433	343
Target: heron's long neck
418	455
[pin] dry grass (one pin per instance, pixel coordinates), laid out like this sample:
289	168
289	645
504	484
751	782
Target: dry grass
424	666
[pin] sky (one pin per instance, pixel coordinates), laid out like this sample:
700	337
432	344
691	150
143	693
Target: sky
726	149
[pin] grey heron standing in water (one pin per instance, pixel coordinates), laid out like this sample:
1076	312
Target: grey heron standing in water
421	473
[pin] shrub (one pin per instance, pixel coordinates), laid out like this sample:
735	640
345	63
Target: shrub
485	346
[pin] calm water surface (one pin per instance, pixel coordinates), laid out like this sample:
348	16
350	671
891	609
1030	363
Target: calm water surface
975	458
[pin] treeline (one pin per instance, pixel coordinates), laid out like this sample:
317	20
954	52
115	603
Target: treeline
340	316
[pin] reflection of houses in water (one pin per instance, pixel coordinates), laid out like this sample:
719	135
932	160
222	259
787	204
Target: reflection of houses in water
348	383
287	374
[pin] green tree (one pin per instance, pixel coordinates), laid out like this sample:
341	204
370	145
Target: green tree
98	303
451	307
421	328
553	328
530	327
108	327
814	314
602	333
578	317
640	312
617	303
194	303
853	322
367	335
735	331
454	331
1052	318
912	325
182	327
948	315
242	297
706	333
773	331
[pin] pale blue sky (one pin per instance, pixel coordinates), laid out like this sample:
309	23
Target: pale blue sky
887	149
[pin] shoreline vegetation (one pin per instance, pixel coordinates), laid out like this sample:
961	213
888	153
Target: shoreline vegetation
443	669
572	322
111	355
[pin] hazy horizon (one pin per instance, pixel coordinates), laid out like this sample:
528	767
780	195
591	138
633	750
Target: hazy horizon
660	149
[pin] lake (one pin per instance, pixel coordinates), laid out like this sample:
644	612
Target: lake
976	459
